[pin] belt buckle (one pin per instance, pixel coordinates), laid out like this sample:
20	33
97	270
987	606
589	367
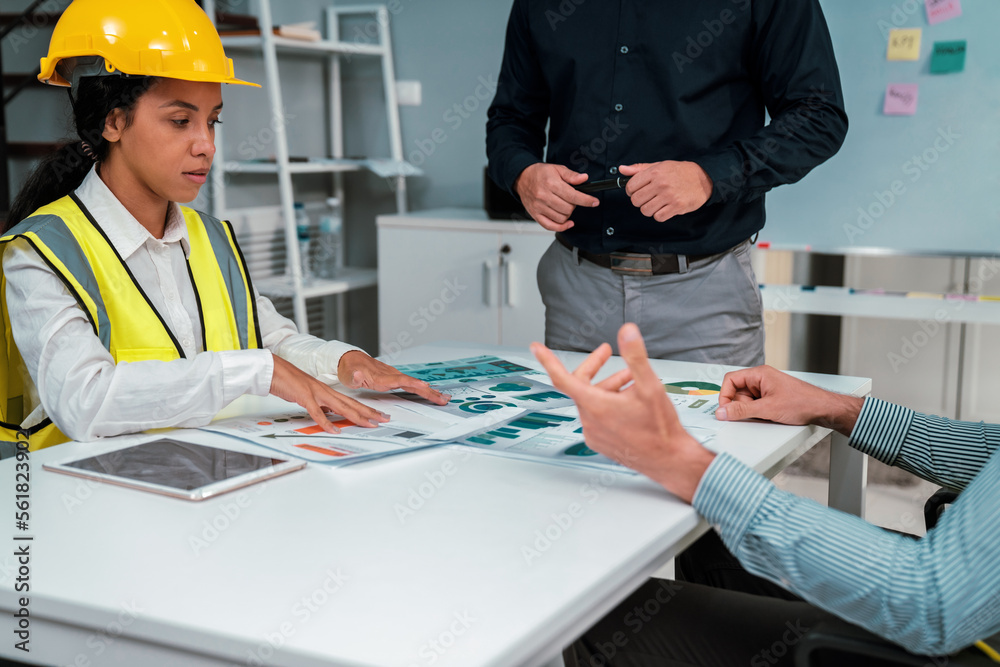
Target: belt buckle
631	263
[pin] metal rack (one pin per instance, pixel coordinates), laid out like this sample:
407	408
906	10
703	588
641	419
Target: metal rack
332	49
17	84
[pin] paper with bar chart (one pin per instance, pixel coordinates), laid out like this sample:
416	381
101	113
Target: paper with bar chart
297	434
497	406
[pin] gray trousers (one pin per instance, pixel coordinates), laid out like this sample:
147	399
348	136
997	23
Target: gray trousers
710	314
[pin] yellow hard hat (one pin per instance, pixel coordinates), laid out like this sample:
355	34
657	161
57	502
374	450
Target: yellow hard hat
167	38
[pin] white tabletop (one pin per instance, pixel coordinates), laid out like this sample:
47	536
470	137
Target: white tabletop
321	563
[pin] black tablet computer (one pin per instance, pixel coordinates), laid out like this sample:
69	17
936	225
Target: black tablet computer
177	468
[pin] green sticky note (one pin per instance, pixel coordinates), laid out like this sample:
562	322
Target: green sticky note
948	57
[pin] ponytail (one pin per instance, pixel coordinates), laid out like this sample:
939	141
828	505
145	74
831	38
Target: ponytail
58	175
62	172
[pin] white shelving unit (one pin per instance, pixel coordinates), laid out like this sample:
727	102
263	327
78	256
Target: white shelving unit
331	49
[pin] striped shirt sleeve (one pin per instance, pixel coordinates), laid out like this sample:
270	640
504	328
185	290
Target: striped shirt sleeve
943	451
933	596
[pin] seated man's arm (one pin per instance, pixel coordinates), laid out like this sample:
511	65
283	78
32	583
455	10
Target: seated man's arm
943	451
933	596
940	450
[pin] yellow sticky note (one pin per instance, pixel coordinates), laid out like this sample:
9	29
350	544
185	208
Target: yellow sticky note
904	44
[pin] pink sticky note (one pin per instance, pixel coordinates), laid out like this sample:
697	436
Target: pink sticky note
942	10
900	99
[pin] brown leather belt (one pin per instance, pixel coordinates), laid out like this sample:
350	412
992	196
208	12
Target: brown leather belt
633	263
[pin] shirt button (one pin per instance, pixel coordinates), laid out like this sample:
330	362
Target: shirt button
618	107
161	249
171	296
613	170
624	49
610	231
188	342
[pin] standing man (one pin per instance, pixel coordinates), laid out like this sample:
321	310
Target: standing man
671	94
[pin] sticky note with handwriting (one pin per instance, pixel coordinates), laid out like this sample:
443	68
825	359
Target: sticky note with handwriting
948	57
904	44
900	99
942	10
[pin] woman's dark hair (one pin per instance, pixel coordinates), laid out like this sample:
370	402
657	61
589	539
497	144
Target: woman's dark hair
62	172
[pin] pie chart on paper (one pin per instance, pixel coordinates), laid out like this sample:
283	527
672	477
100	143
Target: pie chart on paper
692	388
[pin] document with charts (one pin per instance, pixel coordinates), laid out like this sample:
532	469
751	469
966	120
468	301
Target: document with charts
498	406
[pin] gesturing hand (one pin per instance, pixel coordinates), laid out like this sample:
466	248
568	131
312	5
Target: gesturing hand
357	370
293	384
766	393
635	424
547	192
661	190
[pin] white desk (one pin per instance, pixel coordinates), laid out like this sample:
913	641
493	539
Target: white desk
319	563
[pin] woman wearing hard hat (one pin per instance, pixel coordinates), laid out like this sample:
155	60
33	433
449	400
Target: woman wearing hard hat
121	310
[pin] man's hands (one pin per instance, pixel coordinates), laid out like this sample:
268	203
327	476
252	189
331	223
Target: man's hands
547	192
357	370
637	425
766	393
662	190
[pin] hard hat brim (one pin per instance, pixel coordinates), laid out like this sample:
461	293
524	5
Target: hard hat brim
48	74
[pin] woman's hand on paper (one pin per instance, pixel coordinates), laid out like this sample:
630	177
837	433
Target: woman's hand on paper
295	385
357	370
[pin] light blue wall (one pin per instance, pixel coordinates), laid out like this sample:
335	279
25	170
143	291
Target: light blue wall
453	47
916	184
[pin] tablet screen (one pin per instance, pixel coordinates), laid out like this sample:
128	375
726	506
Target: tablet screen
182	466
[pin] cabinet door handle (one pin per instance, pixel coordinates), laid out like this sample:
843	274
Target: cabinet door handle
489	290
505	268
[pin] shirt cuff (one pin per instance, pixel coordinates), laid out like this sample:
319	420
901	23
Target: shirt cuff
512	170
245	372
725	170
328	357
881	429
729	496
313	355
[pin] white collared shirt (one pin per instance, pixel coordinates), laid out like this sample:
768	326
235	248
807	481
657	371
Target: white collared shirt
86	393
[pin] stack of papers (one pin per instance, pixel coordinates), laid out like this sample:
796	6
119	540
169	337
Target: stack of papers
498	406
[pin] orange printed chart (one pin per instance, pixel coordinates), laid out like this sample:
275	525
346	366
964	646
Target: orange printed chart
329	451
692	388
316	428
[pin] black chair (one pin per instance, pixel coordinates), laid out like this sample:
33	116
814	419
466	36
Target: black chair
834	643
937	504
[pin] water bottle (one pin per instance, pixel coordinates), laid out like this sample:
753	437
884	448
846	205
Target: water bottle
329	255
302	232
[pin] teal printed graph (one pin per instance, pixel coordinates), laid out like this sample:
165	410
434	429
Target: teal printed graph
534	421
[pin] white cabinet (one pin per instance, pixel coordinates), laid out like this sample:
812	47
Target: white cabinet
452	274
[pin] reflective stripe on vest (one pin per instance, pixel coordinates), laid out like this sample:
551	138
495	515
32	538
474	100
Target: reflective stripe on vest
74	246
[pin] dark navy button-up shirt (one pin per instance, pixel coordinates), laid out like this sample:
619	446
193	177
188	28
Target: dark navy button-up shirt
626	81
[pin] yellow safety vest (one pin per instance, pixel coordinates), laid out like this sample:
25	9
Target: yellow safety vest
72	243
